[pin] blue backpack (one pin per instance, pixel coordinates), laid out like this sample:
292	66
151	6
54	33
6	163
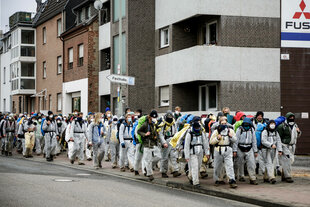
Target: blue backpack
279	120
42	131
258	133
133	132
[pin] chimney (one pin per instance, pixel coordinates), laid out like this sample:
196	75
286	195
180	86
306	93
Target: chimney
39	2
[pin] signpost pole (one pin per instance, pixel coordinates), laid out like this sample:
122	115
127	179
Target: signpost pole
120	96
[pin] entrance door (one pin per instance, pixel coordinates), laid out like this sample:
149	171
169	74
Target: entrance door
76	103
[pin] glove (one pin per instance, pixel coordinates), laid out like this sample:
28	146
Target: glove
123	145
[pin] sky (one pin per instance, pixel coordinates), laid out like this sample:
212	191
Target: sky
9	7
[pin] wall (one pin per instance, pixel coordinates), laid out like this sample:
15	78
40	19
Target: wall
166	15
49	52
105	36
72	87
104	83
215	63
5	88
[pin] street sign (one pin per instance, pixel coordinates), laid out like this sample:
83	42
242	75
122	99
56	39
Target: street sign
126	80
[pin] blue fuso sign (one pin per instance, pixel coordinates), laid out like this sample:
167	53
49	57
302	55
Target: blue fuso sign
295	23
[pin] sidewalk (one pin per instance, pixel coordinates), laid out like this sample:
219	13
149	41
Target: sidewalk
265	194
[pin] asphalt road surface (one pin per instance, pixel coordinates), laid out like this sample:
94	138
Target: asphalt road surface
26	183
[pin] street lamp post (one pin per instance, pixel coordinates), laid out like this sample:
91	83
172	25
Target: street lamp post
119	68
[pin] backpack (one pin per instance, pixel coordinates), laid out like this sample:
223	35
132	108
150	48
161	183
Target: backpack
279	120
133	135
42	131
141	121
119	123
1	127
258	133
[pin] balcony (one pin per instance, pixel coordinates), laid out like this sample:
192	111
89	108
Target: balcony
166	15
24	80
105	36
214	63
104	83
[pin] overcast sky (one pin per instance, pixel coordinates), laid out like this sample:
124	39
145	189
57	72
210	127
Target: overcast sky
9	7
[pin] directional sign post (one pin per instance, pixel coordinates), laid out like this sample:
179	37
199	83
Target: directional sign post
124	80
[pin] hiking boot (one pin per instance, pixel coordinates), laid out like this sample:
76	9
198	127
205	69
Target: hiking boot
89	159
127	168
122	169
6	153
222	182
151	178
197	186
72	162
30	156
48	159
2	152
136	172
253	182
132	170
241	179
233	184
217	183
273	181
38	154
164	175
113	166
266	180
289	180
176	174
203	175
81	163
10	153
44	155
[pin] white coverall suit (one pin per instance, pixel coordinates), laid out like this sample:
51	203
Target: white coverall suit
78	131
50	133
129	150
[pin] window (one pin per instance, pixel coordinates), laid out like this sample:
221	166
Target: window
116	9
27	69
4	105
116	54
59	100
27	37
208	97
44	70
164	96
212	33
44	35
70	51
81	54
50	102
105	13
87	12
164	37
80	16
105	59
59	65
28	84
4	75
59	27
27	51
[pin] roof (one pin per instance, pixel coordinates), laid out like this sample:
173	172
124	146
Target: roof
48	10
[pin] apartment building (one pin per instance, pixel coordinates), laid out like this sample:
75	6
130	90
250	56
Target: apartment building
49	25
137	50
5	62
22	69
81	58
212	54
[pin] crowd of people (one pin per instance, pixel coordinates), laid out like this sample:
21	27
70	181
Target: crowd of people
235	146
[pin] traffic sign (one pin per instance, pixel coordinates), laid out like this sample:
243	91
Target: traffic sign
126	80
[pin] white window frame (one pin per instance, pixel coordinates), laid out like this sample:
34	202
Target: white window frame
44	35
163	37
208	32
50	104
59	101
207	97
81	54
59	64
4	105
4	75
44	70
161	101
59	27
70	57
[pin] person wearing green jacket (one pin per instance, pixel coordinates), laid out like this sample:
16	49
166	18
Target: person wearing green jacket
289	132
148	135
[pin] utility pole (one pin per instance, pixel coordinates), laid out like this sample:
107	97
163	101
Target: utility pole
119	67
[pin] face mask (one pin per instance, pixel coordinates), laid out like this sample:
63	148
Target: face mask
109	115
177	112
115	122
39	120
136	117
102	120
291	123
92	120
58	121
154	120
129	119
33	120
75	113
65	119
51	116
272	126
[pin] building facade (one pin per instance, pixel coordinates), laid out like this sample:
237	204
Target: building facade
81	60
209	56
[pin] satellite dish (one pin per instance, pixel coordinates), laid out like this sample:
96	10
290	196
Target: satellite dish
98	4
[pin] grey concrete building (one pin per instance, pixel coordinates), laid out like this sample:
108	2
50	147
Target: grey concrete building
211	55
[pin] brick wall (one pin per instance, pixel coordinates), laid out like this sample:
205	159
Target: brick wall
48	52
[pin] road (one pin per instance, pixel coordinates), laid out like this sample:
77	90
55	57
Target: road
28	183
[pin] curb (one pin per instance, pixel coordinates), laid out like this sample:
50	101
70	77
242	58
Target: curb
186	187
